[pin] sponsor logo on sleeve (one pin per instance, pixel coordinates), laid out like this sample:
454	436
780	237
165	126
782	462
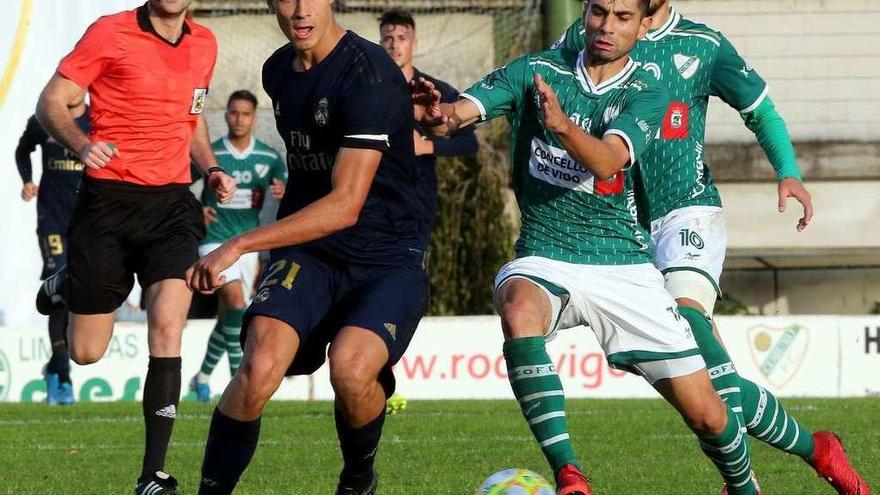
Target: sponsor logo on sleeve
200	96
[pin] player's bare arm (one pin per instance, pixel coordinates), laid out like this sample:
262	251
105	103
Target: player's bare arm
604	157
352	177
54	115
770	130
441	119
200	150
793	188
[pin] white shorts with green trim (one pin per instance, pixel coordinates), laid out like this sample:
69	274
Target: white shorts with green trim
692	238
634	318
244	270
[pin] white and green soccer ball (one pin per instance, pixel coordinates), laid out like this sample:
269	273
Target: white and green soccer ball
516	482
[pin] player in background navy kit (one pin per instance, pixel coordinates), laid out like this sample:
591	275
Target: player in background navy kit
397	31
56	197
346	259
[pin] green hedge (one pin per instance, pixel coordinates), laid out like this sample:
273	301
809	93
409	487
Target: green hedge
474	233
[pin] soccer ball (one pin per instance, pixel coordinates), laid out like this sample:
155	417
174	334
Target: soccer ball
516	482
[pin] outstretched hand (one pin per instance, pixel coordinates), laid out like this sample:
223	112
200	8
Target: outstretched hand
205	275
793	188
555	119
426	103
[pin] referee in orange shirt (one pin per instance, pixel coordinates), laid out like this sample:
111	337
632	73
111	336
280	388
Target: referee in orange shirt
147	72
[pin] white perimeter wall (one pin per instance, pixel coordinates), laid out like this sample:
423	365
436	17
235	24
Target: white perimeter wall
820	58
460	357
51	28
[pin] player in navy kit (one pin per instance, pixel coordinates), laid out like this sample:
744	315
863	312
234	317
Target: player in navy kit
346	263
56	197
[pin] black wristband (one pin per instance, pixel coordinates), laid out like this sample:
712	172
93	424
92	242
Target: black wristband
215	169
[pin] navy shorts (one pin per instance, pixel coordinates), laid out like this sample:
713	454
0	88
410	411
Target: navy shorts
53	248
318	296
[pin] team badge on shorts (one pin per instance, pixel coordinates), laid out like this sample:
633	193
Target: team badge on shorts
322	113
261	296
392	329
198	101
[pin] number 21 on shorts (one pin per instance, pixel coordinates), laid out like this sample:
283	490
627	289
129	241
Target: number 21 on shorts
276	269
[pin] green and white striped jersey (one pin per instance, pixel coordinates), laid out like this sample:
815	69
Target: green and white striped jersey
694	62
253	170
567	214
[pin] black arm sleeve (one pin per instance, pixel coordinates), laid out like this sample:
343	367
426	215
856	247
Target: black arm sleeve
463	142
33	136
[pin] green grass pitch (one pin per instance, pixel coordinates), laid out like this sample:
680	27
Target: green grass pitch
433	447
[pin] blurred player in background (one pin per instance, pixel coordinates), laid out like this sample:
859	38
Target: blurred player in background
147	72
397	30
582	257
346	261
56	197
687	223
258	170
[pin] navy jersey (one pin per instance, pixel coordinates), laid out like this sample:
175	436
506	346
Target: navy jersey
62	171
463	143
355	98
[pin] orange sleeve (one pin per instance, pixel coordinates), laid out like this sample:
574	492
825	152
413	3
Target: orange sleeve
91	55
212	52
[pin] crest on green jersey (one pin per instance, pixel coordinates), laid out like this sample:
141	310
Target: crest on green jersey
687	66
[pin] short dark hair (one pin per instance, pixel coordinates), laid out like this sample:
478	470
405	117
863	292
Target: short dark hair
397	17
644	6
242	94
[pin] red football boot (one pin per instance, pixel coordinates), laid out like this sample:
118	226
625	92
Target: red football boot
754	480
571	481
830	462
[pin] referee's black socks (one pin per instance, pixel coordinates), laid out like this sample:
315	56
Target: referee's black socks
161	397
359	446
230	447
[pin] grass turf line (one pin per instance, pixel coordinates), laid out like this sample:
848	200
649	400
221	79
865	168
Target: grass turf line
434	447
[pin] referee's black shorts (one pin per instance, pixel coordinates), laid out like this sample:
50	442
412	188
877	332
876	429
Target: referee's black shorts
120	229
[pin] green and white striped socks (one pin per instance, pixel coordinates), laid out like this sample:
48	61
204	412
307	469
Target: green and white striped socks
725	379
224	338
768	421
231	332
755	407
729	451
215	350
539	391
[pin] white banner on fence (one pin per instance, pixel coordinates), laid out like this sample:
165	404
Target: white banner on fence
460	358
